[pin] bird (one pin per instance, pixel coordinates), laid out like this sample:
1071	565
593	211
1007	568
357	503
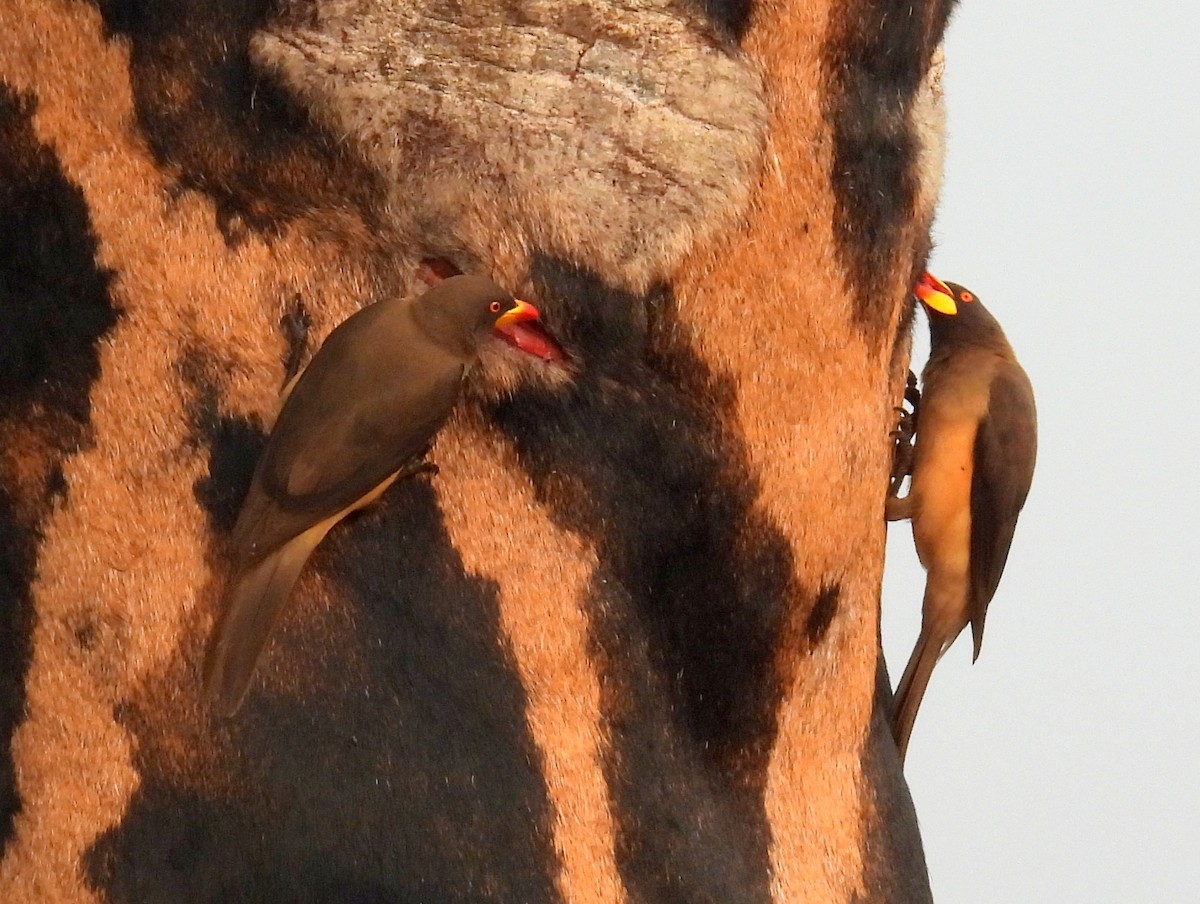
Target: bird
362	414
973	463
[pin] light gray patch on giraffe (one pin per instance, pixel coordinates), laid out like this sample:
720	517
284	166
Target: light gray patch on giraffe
928	123
613	134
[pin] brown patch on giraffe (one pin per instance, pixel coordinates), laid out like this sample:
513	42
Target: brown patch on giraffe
690	591
29	460
892	848
55	308
187	292
130	496
774	308
500	530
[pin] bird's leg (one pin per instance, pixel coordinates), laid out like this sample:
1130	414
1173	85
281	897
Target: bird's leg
419	465
295	324
912	395
902	452
906	428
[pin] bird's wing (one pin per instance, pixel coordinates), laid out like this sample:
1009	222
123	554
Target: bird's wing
1005	451
351	422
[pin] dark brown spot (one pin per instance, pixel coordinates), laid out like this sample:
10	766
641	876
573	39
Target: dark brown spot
228	129
875	58
54	309
693	587
820	617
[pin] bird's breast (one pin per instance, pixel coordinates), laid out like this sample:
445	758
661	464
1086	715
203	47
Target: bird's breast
941	489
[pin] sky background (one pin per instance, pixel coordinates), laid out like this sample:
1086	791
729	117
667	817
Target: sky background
1063	766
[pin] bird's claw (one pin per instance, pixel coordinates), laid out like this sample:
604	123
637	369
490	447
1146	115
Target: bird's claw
420	464
902	459
427	467
902	436
418	467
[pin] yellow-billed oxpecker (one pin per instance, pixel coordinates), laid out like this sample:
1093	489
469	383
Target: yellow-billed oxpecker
976	442
362	413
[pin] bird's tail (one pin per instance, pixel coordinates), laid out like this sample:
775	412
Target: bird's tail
912	689
252	608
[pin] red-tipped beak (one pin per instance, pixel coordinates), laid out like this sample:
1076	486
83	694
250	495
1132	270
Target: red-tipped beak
936	294
521	312
518	327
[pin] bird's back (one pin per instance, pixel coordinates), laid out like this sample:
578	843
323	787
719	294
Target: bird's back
368	404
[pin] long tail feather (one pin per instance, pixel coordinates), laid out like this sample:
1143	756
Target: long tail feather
912	689
253	606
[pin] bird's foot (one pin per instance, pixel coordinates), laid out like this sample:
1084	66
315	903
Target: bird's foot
422	467
419	465
295	325
912	394
902	436
901	468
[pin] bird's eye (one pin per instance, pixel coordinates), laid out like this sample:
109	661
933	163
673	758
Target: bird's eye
966	296
494	307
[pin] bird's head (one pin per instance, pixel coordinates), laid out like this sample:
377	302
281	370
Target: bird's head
474	305
471	309
955	312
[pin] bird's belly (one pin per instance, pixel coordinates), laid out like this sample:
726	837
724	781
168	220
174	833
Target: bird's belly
942	498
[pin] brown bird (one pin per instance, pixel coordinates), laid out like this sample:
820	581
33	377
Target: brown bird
973	463
362	414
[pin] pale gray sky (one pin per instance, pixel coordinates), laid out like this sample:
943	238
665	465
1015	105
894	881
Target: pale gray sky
1063	766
